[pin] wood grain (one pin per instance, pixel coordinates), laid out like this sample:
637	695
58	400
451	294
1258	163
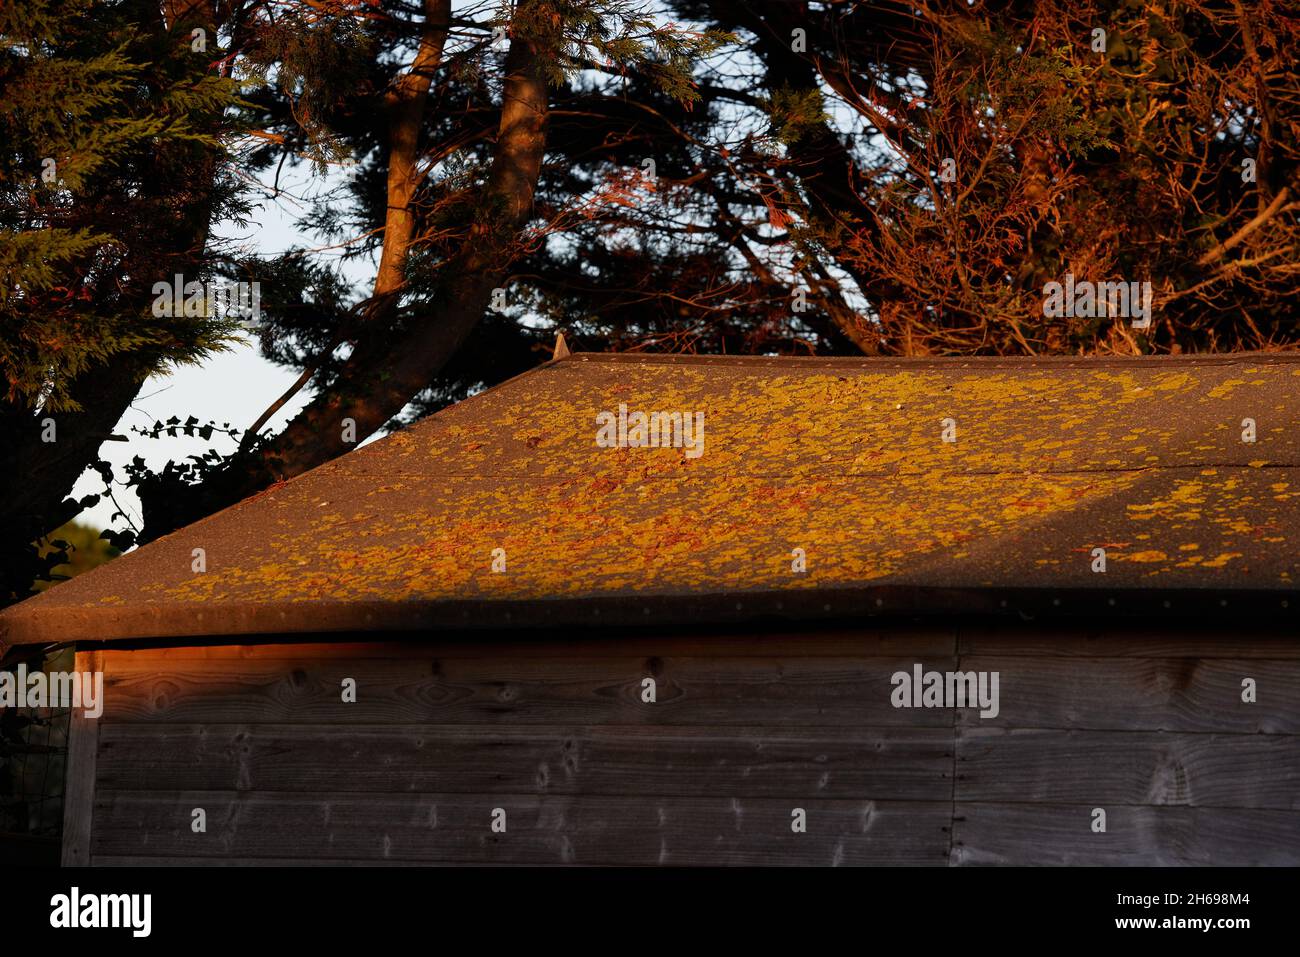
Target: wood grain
1141	694
79	777
1153	768
540	830
809	692
114	860
888	763
1060	835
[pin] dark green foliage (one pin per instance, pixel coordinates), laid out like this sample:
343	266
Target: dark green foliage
91	98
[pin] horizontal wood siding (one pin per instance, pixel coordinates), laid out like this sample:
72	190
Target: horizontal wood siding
1144	767
1060	834
745	730
1141	694
540	829
893	763
772	692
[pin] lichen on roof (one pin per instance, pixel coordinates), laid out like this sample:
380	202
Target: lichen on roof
844	460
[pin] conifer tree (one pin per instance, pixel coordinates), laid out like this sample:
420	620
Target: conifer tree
109	178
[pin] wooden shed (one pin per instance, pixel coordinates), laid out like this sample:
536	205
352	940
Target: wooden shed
521	632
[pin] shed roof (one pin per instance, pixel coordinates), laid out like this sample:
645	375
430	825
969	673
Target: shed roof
842	458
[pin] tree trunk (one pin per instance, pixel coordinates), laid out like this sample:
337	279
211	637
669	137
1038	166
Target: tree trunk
406	105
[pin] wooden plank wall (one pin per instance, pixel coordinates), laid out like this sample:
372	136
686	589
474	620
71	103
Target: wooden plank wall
1148	726
79	779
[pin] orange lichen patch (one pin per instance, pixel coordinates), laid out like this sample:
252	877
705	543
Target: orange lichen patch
1180	503
1225	389
662	536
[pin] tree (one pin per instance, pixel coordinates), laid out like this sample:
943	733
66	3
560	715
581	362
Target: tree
108	182
717	176
1104	139
72	549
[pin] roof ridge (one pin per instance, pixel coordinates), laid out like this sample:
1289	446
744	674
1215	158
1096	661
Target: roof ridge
869	362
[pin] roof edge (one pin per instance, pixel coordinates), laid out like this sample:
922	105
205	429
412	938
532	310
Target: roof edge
182	621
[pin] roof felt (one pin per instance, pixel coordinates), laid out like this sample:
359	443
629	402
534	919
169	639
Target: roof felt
841	458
